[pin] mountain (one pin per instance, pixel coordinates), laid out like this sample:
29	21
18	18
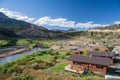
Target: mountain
15	28
71	30
6	33
12	28
14	24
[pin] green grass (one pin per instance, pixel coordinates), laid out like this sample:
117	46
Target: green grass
58	67
45	57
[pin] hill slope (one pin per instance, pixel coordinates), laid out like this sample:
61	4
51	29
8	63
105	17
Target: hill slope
111	27
12	28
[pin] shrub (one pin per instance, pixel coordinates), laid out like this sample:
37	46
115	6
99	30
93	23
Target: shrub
63	56
23	42
101	50
28	77
85	52
53	59
44	65
4	70
35	65
57	53
13	69
110	48
7	65
39	53
45	45
68	53
4	43
96	49
32	45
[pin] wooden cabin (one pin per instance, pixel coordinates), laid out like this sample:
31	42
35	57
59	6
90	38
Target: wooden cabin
93	64
108	55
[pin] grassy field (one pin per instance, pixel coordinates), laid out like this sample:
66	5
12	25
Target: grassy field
42	66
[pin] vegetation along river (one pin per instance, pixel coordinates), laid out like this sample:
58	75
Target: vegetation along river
13	57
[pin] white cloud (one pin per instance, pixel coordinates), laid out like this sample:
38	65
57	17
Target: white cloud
62	22
48	21
89	24
117	22
16	15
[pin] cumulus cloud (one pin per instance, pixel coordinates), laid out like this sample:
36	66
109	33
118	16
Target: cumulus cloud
16	15
62	22
117	22
48	21
89	24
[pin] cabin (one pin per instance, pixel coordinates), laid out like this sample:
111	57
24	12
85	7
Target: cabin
93	64
108	55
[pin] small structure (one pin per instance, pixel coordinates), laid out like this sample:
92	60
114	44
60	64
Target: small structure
108	55
93	64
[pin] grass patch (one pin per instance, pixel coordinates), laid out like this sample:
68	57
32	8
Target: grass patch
45	57
58	67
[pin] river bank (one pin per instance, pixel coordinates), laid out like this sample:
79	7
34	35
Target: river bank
13	51
16	56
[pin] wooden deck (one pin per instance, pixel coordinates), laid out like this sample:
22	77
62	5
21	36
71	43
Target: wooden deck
68	68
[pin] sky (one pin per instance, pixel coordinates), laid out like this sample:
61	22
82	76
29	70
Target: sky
61	14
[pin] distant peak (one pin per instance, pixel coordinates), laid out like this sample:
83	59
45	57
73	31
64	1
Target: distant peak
71	29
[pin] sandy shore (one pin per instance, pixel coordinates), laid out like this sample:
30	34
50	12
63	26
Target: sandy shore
13	52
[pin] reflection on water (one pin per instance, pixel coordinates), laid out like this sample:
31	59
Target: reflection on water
13	57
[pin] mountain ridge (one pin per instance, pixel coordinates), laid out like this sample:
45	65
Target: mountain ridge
12	28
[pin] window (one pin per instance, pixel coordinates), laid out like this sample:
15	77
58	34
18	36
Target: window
99	66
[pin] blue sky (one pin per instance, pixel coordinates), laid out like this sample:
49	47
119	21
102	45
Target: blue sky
64	13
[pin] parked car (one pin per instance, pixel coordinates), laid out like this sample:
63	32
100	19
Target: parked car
117	69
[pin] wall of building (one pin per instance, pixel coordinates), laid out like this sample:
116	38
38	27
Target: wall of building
81	66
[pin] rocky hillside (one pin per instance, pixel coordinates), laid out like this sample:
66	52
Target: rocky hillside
111	27
12	28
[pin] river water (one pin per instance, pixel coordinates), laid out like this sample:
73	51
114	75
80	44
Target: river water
13	57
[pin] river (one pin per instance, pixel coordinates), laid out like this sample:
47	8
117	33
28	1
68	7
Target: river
16	56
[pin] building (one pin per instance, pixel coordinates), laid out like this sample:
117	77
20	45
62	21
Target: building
108	55
93	64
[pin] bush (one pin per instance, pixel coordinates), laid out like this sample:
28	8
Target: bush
110	48
44	65
85	52
101	50
45	45
23	42
4	70
63	56
28	77
4	43
57	53
13	69
39	53
97	49
53	59
68	53
35	65
32	45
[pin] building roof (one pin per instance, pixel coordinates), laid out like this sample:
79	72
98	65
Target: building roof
101	54
89	60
